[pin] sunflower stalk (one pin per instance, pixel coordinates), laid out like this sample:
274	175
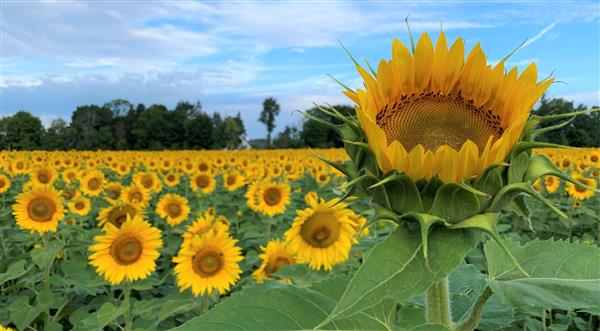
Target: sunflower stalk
126	302
438	304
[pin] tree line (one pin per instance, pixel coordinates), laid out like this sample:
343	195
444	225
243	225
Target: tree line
119	125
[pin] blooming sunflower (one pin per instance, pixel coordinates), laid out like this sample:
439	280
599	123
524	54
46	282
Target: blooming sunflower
42	176
128	252
171	179
433	113
578	192
202	225
80	206
38	210
113	190
274	256
117	214
174	208
323	233
92	183
203	182
233	181
136	196
4	183
209	262
148	181
269	198
551	183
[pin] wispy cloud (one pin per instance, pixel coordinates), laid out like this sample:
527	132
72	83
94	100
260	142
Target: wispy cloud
539	35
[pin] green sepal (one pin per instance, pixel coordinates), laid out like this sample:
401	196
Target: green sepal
363	155
347	168
509	192
518	168
540	165
402	193
429	190
529	145
548	118
538	132
490	182
487	223
454	203
426	221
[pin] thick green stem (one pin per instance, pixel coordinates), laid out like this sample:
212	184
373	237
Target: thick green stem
206	304
46	274
127	312
438	304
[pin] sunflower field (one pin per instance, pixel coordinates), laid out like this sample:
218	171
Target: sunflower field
441	212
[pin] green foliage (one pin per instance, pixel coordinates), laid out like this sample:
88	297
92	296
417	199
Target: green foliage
562	275
21	131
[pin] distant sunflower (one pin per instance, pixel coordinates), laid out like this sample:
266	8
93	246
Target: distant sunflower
323	233
433	113
203	182
4	183
80	206
148	181
269	198
210	262
174	208
578	192
171	179
128	252
69	175
136	196
233	181
38	210
274	257
117	214
551	183
113	190
202	225
322	177
42	176
92	183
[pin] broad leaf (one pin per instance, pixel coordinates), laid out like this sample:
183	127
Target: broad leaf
15	270
562	275
396	268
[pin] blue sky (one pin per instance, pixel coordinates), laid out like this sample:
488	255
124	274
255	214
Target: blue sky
232	55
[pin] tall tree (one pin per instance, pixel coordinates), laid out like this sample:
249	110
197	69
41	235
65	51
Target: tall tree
57	136
267	116
289	138
234	131
92	127
218	133
21	131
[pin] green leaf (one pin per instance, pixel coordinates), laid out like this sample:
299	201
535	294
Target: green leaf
107	314
454	203
42	256
15	270
390	268
276	306
22	313
402	193
562	275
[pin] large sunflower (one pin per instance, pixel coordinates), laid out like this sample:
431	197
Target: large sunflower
209	262
128	252
274	257
174	208
434	113
38	210
323	233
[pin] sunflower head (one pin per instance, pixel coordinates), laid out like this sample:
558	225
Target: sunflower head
174	208
323	233
117	214
38	210
4	183
209	262
268	197
128	252
274	256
